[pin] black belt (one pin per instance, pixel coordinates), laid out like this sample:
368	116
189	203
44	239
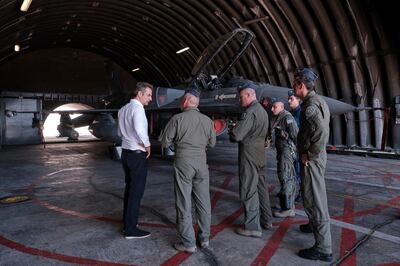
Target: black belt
134	151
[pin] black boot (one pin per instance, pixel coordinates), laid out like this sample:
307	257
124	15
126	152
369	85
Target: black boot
299	199
285	201
313	254
306	228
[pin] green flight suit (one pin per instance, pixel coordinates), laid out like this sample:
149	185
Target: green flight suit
285	135
250	131
191	132
312	140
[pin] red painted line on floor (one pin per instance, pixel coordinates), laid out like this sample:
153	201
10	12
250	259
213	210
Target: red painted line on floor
348	237
367	211
395	176
225	223
388	181
53	255
218	194
177	259
273	244
90	216
180	257
73	213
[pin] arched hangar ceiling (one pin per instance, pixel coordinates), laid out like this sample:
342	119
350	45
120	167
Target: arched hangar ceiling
353	44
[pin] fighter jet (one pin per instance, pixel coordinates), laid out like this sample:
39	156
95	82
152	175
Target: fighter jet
219	98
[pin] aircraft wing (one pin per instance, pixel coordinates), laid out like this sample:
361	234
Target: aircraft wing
225	101
85	112
336	107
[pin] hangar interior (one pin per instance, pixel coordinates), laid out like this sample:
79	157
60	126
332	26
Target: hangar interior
58	52
67	46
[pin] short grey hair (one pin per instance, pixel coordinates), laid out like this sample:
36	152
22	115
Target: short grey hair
193	100
141	86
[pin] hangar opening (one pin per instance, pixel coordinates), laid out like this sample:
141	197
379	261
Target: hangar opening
53	132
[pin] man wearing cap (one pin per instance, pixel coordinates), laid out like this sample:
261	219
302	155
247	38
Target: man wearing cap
250	131
284	132
311	142
191	132
295	109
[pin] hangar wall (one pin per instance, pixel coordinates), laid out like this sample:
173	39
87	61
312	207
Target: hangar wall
18	129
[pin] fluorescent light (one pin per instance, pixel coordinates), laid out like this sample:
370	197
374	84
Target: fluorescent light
17	48
182	50
136	69
25	5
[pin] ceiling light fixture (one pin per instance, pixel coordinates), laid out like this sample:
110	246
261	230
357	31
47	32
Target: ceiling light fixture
25	5
135	69
17	48
182	50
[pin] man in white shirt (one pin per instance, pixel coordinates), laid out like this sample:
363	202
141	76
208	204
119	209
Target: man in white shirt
133	130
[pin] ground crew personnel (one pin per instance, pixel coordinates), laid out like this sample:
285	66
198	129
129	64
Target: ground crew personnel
284	132
191	132
250	131
311	142
295	110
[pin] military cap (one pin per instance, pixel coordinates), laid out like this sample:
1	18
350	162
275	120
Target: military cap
194	91
307	73
276	100
291	93
248	84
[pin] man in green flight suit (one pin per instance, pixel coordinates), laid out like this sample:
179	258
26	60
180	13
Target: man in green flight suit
250	131
284	131
191	132
311	143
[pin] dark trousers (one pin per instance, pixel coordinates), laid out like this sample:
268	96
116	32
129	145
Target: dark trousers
135	168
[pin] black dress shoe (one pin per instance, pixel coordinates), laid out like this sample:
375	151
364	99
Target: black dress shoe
137	234
306	228
313	254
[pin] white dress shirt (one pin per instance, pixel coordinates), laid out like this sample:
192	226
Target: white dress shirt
133	127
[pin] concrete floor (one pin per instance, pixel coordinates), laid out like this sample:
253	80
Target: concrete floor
73	215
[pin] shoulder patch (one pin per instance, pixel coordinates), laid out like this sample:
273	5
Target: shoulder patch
289	121
311	111
243	116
